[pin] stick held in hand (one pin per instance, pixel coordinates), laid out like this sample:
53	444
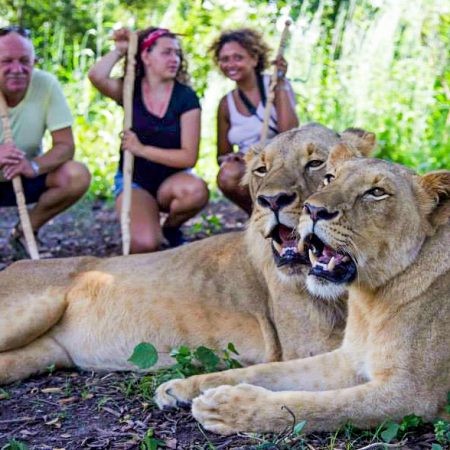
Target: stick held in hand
128	161
17	186
273	82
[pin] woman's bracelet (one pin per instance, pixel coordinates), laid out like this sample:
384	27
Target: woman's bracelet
282	88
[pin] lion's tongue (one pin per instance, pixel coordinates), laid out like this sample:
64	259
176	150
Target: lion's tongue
328	253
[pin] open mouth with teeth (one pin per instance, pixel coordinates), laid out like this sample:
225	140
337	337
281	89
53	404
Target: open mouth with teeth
285	247
328	263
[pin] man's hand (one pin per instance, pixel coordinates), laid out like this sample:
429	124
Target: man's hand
10	155
23	167
131	143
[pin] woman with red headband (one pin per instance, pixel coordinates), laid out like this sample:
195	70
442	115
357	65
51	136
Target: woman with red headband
164	137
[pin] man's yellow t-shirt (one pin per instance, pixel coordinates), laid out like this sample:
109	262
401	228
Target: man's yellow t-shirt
44	107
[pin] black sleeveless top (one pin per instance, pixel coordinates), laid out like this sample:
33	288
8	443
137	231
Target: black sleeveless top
163	132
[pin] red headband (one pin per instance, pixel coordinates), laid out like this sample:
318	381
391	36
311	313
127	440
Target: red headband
153	37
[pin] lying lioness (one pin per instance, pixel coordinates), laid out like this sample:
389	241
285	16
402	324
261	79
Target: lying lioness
384	232
90	312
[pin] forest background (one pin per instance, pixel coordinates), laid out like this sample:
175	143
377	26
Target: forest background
382	65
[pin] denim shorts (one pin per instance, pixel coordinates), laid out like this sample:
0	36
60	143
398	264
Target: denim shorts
118	184
33	188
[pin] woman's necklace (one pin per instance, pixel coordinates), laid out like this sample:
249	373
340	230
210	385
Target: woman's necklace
156	103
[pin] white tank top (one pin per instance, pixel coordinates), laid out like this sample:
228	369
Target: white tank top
245	131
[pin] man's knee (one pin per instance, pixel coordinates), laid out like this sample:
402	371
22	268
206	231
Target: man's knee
74	177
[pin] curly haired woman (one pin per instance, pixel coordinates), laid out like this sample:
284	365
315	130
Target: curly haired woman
242	57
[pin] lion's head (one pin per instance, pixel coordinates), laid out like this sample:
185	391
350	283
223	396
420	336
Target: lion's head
369	222
280	177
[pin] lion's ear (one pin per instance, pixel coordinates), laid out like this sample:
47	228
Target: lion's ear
437	188
360	140
338	154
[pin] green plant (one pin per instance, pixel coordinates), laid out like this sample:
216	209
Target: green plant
4	394
15	445
208	224
149	442
442	431
188	362
393	430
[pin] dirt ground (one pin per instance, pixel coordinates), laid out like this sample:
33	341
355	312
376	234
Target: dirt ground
84	410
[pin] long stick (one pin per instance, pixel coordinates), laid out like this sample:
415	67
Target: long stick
273	82
128	157
17	185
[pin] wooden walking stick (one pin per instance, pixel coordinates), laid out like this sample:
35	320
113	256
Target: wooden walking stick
17	185
273	82
128	157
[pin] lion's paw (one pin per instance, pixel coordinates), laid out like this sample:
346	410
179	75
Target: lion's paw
230	409
175	393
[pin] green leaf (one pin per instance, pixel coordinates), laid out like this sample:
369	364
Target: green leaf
144	355
390	431
298	428
207	357
410	421
15	445
436	447
232	348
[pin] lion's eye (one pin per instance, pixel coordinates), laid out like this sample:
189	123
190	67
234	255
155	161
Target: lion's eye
260	171
376	193
327	179
314	164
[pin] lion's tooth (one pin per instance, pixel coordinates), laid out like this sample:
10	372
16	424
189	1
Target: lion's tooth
345	258
301	247
312	257
278	247
331	264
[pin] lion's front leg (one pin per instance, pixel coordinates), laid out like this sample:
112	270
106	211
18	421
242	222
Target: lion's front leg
247	408
322	372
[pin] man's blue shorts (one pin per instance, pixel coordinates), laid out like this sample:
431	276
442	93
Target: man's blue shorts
33	188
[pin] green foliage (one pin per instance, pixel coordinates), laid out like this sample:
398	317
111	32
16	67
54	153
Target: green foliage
4	394
394	430
390	432
144	356
382	66
209	224
202	360
15	445
188	362
442	431
149	442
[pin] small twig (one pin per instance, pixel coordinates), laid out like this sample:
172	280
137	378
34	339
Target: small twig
19	419
384	445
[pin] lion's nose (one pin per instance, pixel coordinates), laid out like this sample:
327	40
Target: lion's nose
276	202
319	212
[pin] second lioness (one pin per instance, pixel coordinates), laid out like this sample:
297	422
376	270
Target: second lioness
91	312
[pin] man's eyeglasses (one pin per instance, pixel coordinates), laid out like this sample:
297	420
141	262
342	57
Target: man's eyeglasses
25	32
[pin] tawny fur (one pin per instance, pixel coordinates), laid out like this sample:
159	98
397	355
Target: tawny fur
91	312
395	356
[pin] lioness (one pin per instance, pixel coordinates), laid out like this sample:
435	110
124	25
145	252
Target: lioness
90	312
384	232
